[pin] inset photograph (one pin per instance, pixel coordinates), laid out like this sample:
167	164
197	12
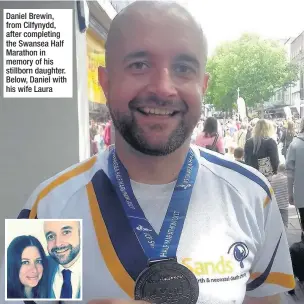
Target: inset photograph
43	259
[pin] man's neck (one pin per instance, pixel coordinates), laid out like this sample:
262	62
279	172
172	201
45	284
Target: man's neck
153	170
72	262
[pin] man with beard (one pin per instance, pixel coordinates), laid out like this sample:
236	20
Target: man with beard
164	221
63	245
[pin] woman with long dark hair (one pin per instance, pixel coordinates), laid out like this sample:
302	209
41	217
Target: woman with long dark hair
210	137
287	137
26	269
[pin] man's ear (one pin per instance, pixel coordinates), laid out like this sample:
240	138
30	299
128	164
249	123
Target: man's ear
205	82
103	80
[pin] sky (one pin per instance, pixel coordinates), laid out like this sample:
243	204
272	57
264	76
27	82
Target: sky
224	20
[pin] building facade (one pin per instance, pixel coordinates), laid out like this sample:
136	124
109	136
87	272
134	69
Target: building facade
297	56
101	14
100	19
293	96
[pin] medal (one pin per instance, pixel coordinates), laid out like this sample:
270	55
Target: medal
167	282
164	281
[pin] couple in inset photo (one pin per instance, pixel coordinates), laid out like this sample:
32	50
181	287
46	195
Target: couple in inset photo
51	273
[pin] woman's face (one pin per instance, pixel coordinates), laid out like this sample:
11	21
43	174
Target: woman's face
31	267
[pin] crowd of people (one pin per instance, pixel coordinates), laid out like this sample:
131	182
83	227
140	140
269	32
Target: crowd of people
260	143
270	146
100	136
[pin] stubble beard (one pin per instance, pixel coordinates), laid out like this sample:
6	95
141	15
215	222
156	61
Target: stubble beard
74	251
133	134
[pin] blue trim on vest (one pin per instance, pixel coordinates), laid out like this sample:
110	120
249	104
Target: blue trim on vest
124	241
25	214
237	168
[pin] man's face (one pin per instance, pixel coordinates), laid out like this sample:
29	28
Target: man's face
63	240
154	82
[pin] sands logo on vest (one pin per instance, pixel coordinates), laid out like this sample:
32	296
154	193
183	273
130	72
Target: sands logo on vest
228	267
240	252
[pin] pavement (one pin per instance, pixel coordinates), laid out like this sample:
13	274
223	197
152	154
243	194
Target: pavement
294	229
294	235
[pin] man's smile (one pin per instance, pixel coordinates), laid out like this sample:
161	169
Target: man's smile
156	111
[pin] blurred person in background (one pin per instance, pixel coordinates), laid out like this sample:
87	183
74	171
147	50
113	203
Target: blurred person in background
250	128
287	137
261	151
280	188
238	124
274	132
279	130
220	128
210	136
108	134
239	154
230	150
228	141
295	172
232	127
99	138
240	136
93	128
93	132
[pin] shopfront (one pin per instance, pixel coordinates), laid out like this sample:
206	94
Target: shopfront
96	37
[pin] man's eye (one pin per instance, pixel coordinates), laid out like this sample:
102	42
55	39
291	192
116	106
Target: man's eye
50	237
138	66
66	232
183	69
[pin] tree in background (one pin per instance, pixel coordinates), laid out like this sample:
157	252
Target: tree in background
254	65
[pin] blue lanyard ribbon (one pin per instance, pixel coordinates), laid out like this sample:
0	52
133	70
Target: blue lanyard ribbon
163	245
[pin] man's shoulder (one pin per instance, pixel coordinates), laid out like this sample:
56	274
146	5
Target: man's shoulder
63	185
297	141
52	264
247	180
77	174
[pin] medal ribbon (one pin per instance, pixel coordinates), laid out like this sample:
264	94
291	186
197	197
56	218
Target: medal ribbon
163	245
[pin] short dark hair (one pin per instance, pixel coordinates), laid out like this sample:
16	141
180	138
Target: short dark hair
210	126
238	152
15	288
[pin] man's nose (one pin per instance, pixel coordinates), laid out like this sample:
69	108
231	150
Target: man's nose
162	84
58	241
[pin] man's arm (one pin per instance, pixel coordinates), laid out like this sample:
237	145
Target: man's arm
271	272
290	170
265	300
